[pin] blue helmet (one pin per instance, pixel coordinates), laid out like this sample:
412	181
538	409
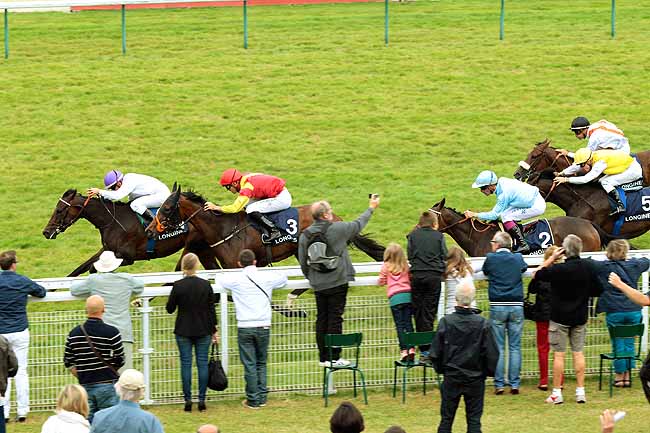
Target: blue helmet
112	177
485	178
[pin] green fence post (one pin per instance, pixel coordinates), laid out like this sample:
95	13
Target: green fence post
386	22
613	18
6	34
503	13
245	24
123	30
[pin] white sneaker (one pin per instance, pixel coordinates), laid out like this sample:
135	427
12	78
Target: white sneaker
555	399
341	363
324	364
581	398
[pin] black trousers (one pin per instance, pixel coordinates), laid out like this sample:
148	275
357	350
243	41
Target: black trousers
472	392
330	305
425	294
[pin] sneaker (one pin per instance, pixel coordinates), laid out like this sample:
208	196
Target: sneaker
581	398
263	404
498	391
324	364
22	418
248	406
341	362
555	399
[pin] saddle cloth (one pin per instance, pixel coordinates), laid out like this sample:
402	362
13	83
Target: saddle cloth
637	207
539	236
286	220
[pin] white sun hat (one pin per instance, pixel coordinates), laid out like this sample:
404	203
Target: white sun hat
107	262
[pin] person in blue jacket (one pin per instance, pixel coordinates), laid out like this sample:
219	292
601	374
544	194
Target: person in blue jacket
516	201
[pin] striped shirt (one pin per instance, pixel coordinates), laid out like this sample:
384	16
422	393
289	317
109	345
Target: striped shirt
107	341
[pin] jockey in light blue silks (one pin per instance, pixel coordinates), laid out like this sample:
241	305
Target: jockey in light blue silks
516	201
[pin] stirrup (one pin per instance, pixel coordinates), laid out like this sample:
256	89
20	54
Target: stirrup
267	239
616	212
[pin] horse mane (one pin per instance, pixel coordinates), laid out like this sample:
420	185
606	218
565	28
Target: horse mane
194	196
547	174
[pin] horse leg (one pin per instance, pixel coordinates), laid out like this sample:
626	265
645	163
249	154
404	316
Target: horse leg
87	265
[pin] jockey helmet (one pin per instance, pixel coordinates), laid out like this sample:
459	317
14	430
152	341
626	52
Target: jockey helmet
579	123
582	156
112	177
229	176
485	178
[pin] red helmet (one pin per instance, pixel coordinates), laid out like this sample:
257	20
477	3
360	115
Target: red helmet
229	176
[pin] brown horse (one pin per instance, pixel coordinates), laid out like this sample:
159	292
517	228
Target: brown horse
587	201
228	234
474	236
121	232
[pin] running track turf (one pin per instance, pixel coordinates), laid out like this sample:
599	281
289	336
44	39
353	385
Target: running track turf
191	4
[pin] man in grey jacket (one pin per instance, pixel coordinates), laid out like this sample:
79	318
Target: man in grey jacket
8	368
331	288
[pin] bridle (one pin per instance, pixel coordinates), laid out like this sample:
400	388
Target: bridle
61	227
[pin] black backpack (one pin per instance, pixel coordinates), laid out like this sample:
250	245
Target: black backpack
317	258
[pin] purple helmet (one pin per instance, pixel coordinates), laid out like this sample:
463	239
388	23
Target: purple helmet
112	177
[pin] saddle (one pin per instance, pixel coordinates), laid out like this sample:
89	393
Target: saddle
285	220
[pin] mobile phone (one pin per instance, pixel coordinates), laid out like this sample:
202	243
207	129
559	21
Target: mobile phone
373	195
619	415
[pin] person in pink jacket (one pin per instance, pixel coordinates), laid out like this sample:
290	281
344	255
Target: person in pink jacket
394	274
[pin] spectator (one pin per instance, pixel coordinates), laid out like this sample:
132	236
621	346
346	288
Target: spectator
196	326
572	283
93	353
346	419
208	428
464	350
542	316
394	274
503	270
427	253
331	288
251	291
14	290
395	429
8	368
127	416
71	412
116	288
618	309
459	270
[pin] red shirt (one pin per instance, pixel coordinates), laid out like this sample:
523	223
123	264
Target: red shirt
260	186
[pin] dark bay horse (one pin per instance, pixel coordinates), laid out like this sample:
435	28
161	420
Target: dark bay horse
228	234
474	236
588	201
121	232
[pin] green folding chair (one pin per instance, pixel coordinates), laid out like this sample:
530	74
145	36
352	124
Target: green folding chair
336	341
621	331
413	339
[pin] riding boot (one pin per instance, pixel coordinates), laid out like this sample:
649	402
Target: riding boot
147	216
272	231
522	245
618	207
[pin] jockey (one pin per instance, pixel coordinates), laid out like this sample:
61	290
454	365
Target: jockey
515	201
617	166
602	135
258	194
143	191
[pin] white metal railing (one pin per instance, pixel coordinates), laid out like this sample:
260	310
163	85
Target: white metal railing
292	362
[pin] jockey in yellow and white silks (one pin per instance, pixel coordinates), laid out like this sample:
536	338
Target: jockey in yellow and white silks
617	167
516	201
600	136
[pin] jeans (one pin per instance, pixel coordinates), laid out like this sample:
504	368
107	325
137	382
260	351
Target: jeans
403	316
253	352
507	320
100	396
330	305
201	347
2	422
473	393
425	295
623	344
19	342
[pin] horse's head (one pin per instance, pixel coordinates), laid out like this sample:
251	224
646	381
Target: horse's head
543	156
446	216
168	215
67	211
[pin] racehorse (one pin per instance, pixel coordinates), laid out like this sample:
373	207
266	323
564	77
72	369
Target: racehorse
588	201
474	236
121	232
228	234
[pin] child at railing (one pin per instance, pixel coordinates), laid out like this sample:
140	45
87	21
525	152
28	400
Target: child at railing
394	274
458	270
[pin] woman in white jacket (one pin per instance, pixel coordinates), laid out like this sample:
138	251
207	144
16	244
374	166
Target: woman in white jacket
71	412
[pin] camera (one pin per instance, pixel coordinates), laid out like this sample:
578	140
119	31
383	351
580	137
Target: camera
373	196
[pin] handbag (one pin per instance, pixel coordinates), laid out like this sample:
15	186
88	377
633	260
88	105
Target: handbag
217	379
530	312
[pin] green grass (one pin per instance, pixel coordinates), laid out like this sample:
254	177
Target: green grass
526	413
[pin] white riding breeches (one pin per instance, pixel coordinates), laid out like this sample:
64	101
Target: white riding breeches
611	181
19	342
141	204
281	201
522	213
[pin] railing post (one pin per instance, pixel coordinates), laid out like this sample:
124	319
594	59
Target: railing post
123	30
223	326
613	18
146	350
386	22
6	33
644	289
245	23
503	13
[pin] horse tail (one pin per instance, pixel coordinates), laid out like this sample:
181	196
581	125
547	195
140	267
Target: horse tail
369	246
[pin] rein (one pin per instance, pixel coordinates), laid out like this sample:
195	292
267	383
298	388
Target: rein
488	226
230	236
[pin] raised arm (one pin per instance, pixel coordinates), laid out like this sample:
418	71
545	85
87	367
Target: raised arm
634	295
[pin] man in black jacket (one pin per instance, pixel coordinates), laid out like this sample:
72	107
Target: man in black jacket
465	351
427	254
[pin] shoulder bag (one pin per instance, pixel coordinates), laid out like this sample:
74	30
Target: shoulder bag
217	379
96	352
